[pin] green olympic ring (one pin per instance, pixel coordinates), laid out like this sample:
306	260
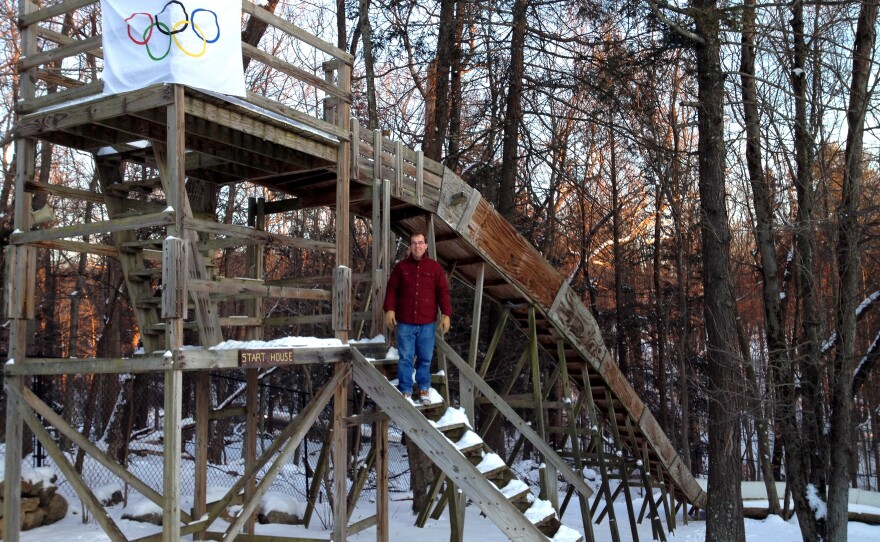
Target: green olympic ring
166	32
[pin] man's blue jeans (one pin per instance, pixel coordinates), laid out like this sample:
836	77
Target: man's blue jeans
415	340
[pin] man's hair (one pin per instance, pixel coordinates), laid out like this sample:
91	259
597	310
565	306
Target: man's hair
417	233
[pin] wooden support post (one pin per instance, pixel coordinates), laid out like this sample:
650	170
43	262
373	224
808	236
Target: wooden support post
340	456
456	512
494	342
548	485
432	235
341	306
171	457
622	469
587	519
174	273
343	181
466	388
388	249
420	177
19	286
175	192
379	264
252	413
398	169
381	437
596	437
643	467
253	308
318	478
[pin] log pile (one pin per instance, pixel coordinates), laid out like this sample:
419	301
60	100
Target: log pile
41	504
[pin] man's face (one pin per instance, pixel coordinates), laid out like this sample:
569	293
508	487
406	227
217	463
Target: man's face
418	246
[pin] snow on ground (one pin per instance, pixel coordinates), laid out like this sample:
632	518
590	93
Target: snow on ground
477	527
401	520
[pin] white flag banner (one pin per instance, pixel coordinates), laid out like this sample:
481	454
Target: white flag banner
191	42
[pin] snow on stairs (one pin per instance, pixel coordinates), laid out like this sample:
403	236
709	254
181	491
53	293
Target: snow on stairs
466	460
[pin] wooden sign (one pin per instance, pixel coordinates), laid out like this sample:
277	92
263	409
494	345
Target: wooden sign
266	357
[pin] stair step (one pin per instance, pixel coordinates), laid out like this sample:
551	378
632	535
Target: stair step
517	490
541	514
449	428
469	442
491	464
566	534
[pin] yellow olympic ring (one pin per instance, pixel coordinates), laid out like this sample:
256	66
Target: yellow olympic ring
200	33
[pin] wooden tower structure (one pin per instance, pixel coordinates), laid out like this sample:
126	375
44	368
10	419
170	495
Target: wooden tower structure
162	138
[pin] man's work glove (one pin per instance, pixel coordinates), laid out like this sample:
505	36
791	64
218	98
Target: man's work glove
444	324
390	320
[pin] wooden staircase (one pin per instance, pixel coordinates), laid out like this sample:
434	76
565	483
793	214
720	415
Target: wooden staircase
447	438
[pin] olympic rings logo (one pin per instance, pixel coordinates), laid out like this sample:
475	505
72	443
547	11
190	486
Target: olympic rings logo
141	26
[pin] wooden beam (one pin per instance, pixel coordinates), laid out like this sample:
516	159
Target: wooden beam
30	17
228	359
50	100
252	235
76	114
64	192
164	218
48	366
204	415
255	287
74	47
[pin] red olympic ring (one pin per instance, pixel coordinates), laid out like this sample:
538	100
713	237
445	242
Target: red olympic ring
150	28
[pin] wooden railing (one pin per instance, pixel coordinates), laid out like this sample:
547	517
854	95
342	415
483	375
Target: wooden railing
411	177
57	68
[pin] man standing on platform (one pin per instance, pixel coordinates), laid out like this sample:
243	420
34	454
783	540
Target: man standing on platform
416	288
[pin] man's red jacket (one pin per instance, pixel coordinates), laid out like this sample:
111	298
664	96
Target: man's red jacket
415	289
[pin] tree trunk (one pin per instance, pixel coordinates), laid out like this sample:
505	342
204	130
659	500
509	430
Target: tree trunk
777	350
436	127
849	235
805	447
661	330
366	30
724	510
453	157
514	115
619	267
255	29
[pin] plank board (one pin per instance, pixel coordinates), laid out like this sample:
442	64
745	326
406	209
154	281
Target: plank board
572	318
